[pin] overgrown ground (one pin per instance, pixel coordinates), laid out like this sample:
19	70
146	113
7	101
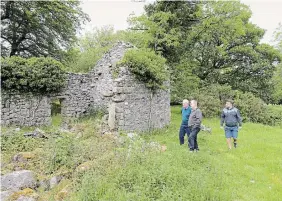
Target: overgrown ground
253	171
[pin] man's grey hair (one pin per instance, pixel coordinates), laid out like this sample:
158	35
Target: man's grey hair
194	101
185	101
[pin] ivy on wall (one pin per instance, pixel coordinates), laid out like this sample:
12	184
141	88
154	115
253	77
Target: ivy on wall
147	67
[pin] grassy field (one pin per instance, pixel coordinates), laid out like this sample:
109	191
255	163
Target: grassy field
252	172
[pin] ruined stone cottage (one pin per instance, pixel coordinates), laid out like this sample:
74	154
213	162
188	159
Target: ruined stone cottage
129	104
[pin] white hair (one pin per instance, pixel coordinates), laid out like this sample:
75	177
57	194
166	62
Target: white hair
194	101
185	101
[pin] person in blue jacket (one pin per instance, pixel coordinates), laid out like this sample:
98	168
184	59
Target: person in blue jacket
184	129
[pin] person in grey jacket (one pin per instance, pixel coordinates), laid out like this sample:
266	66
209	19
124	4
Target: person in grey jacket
194	123
231	117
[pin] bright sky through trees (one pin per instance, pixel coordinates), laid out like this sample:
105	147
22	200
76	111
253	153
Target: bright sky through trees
266	13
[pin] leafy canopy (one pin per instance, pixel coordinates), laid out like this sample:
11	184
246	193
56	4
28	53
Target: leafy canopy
164	26
225	49
89	49
39	28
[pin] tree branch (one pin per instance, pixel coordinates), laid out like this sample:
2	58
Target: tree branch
6	14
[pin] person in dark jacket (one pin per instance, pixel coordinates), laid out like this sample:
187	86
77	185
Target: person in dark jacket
231	117
185	111
194	125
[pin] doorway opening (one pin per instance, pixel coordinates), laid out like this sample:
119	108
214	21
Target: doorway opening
56	111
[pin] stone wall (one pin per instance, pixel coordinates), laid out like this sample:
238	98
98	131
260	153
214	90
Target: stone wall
26	110
129	104
76	97
137	107
92	90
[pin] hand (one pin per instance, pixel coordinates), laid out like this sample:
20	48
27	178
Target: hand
221	127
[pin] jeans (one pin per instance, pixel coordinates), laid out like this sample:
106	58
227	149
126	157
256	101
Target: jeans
231	132
193	143
182	131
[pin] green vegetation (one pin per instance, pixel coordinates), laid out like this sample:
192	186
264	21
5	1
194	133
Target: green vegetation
39	28
246	173
147	67
164	28
210	42
89	49
277	81
204	43
213	97
124	169
209	50
16	142
201	43
37	75
232	57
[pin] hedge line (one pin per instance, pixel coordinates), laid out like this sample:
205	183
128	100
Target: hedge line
212	100
37	75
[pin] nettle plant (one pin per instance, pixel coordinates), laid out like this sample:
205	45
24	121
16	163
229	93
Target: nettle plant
147	67
37	75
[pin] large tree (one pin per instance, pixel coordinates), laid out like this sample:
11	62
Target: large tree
277	77
214	39
278	37
39	28
164	28
277	84
225	49
89	49
165	25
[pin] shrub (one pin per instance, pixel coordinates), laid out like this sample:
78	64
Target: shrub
63	149
38	75
17	142
209	105
251	108
277	84
183	83
212	99
221	92
273	115
147	67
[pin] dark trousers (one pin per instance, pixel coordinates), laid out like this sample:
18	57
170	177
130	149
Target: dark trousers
193	143
182	131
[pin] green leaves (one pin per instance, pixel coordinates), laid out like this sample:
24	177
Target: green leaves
277	83
164	27
214	38
278	37
39	28
62	154
39	75
147	67
89	49
225	46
